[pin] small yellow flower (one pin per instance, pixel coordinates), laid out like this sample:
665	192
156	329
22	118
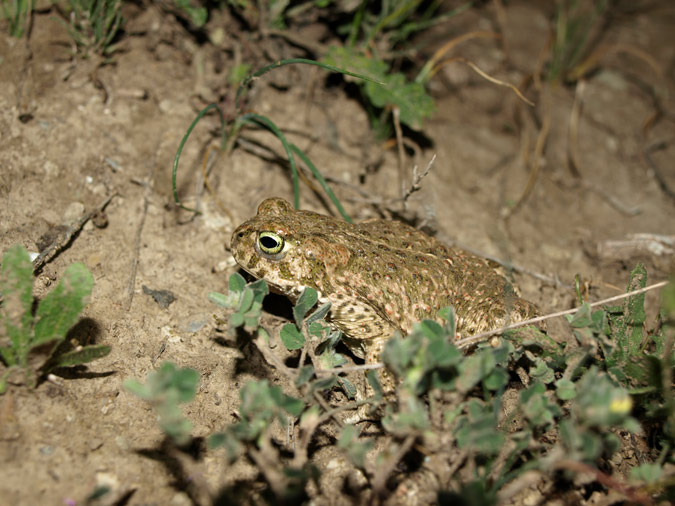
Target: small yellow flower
621	405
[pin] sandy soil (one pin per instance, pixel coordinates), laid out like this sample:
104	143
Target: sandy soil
72	133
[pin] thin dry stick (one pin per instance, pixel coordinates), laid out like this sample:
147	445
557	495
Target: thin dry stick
611	199
493	80
66	237
384	470
573	130
396	113
656	171
438	55
148	185
205	176
535	164
417	179
608	481
137	246
463	343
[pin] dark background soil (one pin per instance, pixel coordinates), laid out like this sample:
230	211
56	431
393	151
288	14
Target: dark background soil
73	132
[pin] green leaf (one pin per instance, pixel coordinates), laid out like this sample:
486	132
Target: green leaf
198	15
399	353
236	282
374	382
430	329
292	405
228	440
350	444
412	100
478	429
601	403
474	368
542	372
16	286
565	389
353	59
292	337
246	300
496	380
166	388
668	300
331	359
185	381
647	473
61	308
442	353
318	330
138	389
536	406
219	299
448	314
319	314
260	289
82	356
582	318
348	387
236	320
306	302
304	375
634	312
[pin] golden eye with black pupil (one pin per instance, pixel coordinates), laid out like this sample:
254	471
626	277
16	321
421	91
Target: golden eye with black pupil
270	243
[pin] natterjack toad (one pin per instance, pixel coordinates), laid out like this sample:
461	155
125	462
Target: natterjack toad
380	276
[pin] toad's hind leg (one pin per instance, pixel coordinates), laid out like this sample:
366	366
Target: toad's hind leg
374	348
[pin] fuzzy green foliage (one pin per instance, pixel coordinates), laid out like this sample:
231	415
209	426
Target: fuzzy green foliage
392	89
18	14
573	40
245	299
196	15
29	340
166	389
261	405
230	131
93	25
569	408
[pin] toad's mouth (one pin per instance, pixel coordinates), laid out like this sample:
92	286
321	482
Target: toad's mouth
280	287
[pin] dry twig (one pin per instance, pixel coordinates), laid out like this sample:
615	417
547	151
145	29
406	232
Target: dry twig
65	238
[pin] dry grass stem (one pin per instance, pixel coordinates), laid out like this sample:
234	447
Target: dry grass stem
484	75
535	163
467	341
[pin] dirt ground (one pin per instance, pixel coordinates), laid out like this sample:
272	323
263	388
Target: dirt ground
73	133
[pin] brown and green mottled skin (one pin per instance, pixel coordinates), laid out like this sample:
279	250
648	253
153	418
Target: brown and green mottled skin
380	276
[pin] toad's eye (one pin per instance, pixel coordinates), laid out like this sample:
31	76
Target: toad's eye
270	243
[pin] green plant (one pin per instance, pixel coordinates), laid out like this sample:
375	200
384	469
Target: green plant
93	25
568	405
197	15
409	97
18	14
230	132
573	39
29	340
166	389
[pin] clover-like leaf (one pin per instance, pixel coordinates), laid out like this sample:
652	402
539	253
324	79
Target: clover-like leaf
292	337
